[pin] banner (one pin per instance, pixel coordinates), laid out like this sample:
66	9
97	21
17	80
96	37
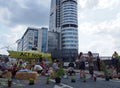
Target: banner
29	55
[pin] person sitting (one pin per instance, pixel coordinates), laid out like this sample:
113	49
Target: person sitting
55	65
38	68
51	72
71	68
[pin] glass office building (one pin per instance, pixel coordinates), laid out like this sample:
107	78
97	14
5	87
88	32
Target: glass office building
69	24
34	38
63	19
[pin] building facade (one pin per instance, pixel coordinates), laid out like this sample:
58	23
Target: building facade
69	24
19	45
53	41
63	19
34	38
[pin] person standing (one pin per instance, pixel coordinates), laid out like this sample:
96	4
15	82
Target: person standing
91	64
115	60
98	63
81	64
119	66
77	63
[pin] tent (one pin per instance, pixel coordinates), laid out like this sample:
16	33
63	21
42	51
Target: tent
29	55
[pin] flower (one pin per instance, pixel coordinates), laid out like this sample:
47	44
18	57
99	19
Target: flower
31	79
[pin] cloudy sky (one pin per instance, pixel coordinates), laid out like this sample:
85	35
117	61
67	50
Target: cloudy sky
99	23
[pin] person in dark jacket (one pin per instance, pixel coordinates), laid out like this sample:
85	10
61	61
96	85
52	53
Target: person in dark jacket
98	63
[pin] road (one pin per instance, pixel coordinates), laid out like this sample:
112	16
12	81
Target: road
40	82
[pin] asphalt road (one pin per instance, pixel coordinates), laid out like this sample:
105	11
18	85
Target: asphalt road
40	82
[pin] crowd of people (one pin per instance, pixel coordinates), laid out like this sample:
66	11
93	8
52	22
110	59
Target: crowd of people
20	65
112	68
44	68
80	61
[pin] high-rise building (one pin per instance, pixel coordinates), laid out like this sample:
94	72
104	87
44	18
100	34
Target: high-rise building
69	24
34	38
63	19
54	23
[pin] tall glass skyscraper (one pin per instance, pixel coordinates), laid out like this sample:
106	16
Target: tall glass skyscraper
63	19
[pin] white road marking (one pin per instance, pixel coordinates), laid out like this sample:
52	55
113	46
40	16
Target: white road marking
61	85
56	86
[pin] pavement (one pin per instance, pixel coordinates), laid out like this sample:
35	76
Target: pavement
40	82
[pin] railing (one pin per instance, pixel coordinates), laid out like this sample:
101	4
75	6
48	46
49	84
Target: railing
105	57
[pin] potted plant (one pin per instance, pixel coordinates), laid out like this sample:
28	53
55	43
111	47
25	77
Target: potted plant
103	68
58	74
84	78
9	82
57	79
73	80
31	81
48	80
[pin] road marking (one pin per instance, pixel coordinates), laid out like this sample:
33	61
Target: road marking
61	85
56	86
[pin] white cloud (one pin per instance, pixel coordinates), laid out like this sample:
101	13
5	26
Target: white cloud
112	25
110	4
88	28
102	37
82	3
101	45
24	12
3	50
87	4
18	30
22	4
11	37
4	15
